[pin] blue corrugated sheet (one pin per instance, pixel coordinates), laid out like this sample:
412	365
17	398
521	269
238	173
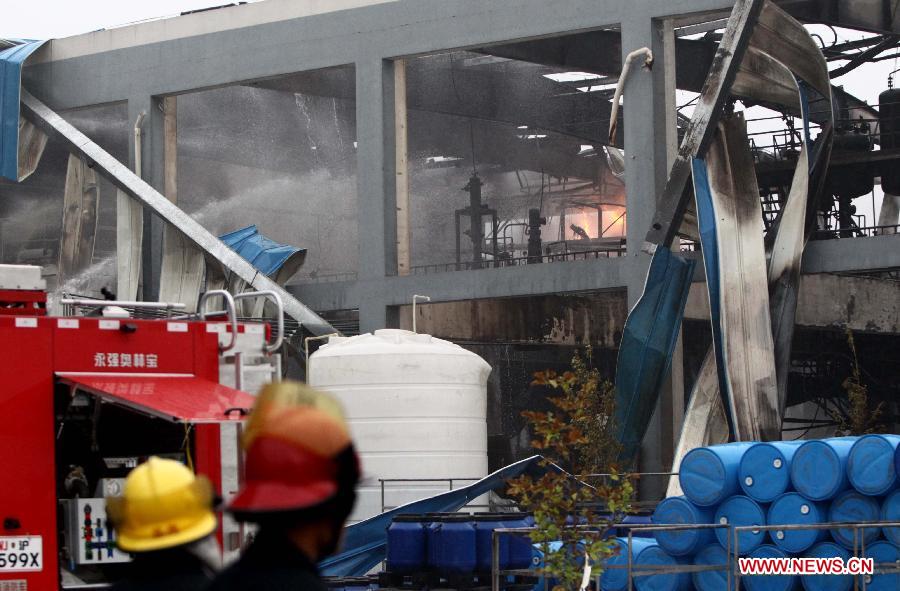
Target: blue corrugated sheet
11	61
365	543
266	255
648	340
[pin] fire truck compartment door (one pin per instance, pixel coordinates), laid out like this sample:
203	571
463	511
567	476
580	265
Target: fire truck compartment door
180	399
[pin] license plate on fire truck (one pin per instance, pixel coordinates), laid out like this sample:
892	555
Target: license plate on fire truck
21	554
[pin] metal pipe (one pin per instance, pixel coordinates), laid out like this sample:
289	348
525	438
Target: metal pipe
230	310
122	303
138	139
620	86
279	315
415	299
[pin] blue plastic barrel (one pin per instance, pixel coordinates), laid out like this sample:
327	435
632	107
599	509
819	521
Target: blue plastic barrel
655	556
769	582
456	545
765	470
819	468
827	582
636	520
406	545
616	579
850	506
870	466
680	511
738	511
519	546
711	580
485	524
709	475
795	509
431	521
883	552
890	511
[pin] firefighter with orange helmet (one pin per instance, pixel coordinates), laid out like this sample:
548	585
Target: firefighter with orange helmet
165	518
301	471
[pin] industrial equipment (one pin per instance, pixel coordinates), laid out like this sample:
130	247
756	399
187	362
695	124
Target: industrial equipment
89	397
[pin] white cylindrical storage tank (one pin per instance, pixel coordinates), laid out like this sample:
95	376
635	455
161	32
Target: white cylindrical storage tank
416	406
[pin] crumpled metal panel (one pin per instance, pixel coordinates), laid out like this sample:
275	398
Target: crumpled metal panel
129	235
81	202
264	253
648	340
11	61
731	232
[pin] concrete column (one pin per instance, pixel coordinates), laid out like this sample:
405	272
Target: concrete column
647	139
376	187
152	171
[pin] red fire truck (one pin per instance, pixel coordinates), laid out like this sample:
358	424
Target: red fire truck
86	398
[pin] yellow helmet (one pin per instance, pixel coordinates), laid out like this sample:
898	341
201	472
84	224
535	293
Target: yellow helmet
163	505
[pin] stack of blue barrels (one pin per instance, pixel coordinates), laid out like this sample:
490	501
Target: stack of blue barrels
454	546
788	483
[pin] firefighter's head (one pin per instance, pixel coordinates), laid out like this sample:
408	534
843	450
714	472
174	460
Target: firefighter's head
301	466
163	505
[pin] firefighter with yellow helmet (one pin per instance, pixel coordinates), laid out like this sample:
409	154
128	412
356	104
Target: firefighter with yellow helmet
165	518
299	488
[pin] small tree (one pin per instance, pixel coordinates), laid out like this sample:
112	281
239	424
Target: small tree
577	436
859	418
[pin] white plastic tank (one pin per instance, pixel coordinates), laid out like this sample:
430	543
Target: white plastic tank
416	406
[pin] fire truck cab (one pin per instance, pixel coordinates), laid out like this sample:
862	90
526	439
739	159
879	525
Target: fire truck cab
88	397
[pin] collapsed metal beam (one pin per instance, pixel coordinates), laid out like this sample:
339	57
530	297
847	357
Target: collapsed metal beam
117	173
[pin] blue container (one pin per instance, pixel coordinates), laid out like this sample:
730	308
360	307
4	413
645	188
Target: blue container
853	507
711	580
738	511
709	475
870	466
765	470
794	509
636	520
455	553
655	556
890	511
616	579
819	468
432	520
680	511
769	582
485	524
883	552
827	582
519	547
406	549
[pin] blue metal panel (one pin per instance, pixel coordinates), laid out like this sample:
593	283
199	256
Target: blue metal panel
647	344
11	61
706	220
266	255
365	543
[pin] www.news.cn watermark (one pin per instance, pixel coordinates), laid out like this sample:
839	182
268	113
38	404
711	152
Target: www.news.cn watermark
806	566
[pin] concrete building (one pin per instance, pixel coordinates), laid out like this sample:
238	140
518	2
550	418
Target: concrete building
355	128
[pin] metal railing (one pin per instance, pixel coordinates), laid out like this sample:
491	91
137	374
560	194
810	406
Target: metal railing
383	481
582	255
732	572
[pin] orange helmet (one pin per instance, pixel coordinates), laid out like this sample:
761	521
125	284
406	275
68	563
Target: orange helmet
299	454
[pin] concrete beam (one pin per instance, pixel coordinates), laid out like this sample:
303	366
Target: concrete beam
826	300
140	60
849	255
823	256
548	278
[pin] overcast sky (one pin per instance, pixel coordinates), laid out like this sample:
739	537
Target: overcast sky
47	19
